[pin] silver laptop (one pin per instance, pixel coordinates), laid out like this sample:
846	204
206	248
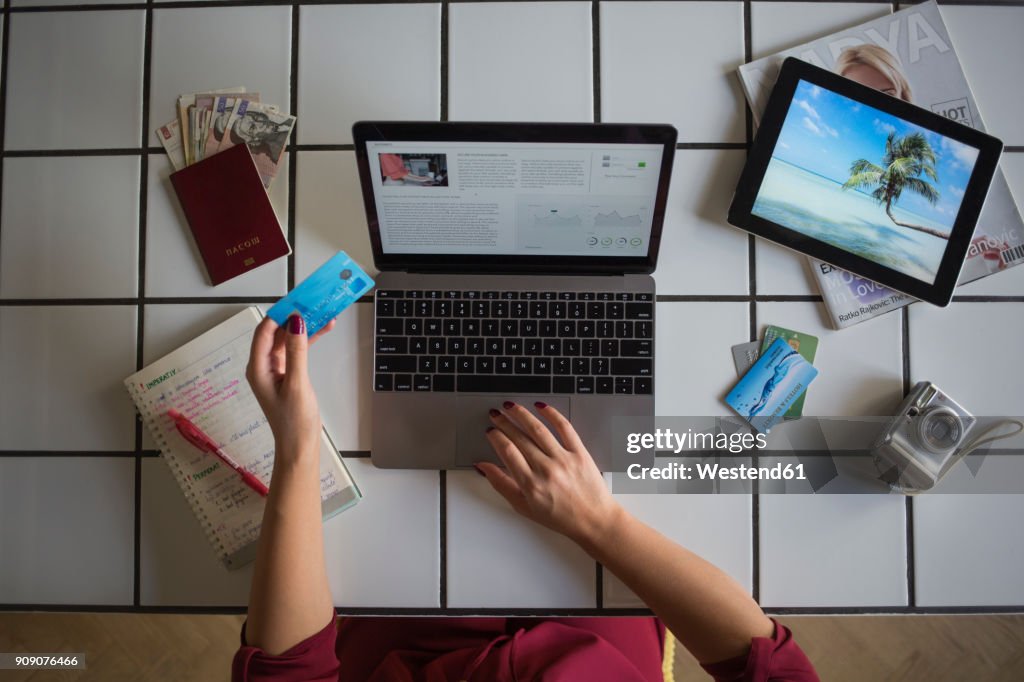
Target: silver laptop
515	263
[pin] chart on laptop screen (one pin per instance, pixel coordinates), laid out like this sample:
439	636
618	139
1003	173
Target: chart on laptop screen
541	199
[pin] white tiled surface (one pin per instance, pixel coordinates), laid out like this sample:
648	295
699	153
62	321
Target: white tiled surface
839	549
968	548
91	64
498	559
198	49
717	527
700	252
824	551
62	369
537	67
363	62
674	62
66	528
86	248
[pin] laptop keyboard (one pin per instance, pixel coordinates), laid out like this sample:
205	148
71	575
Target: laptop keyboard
514	342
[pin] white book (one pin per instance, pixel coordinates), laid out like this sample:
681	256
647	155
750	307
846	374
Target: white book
205	381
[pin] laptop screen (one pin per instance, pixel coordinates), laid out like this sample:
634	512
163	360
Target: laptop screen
526	201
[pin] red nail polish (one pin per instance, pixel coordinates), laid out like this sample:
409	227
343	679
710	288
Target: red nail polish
508	404
539	405
296	325
479	470
494	413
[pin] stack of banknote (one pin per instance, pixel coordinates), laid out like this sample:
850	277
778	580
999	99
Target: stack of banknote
210	122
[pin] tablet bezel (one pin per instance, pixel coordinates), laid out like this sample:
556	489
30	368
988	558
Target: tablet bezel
989	149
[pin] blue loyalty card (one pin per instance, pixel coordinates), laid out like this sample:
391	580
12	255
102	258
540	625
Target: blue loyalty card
766	391
334	286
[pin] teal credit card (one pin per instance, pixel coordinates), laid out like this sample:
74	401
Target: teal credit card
768	389
334	286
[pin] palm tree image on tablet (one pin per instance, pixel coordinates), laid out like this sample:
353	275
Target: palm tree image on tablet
906	160
865	181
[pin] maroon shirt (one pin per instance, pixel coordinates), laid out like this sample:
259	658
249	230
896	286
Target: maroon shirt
503	650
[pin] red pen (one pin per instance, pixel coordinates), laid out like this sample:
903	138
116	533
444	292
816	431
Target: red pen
196	437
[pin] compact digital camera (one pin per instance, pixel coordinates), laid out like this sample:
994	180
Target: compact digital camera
925	437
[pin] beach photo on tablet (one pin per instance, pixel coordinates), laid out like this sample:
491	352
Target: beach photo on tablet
865	181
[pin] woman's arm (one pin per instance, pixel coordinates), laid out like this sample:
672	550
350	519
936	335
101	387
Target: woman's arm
290	599
555	482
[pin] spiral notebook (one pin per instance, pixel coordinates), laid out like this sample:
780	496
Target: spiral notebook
205	381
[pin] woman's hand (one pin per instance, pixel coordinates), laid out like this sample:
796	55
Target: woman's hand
550	480
279	375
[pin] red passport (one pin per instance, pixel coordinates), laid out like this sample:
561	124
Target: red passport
230	214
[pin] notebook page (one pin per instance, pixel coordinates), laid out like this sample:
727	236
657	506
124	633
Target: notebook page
205	381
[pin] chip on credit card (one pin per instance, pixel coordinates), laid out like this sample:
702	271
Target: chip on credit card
319	298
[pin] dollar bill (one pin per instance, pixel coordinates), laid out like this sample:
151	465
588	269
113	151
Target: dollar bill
169	135
263	129
221	109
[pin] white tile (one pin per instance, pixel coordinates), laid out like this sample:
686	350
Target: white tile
329	212
781	271
537	67
70	227
700	252
860	368
364	62
341	365
1009	282
694	368
63	370
178	566
669	62
219	47
968	550
91	65
170	325
385	551
498	559
173	264
67	530
971	350
716	527
987	40
777	26
833	550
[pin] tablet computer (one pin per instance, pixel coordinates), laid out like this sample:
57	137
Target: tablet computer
864	181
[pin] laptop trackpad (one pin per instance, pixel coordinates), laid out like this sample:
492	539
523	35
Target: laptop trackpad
471	445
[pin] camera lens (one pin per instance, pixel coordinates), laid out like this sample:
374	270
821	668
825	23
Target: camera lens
940	430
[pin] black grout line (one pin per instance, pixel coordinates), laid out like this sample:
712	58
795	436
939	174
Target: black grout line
755	500
195	4
660	298
599	584
443	113
595	29
5	36
528	612
909	507
140	330
442	499
293	156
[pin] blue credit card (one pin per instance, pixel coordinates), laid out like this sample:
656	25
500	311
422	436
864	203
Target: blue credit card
771	386
319	298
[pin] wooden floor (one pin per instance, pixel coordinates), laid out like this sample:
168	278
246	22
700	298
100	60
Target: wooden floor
855	648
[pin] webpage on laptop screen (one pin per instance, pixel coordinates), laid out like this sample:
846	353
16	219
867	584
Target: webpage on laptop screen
540	199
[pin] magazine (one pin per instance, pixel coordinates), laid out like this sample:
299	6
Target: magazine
907	54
